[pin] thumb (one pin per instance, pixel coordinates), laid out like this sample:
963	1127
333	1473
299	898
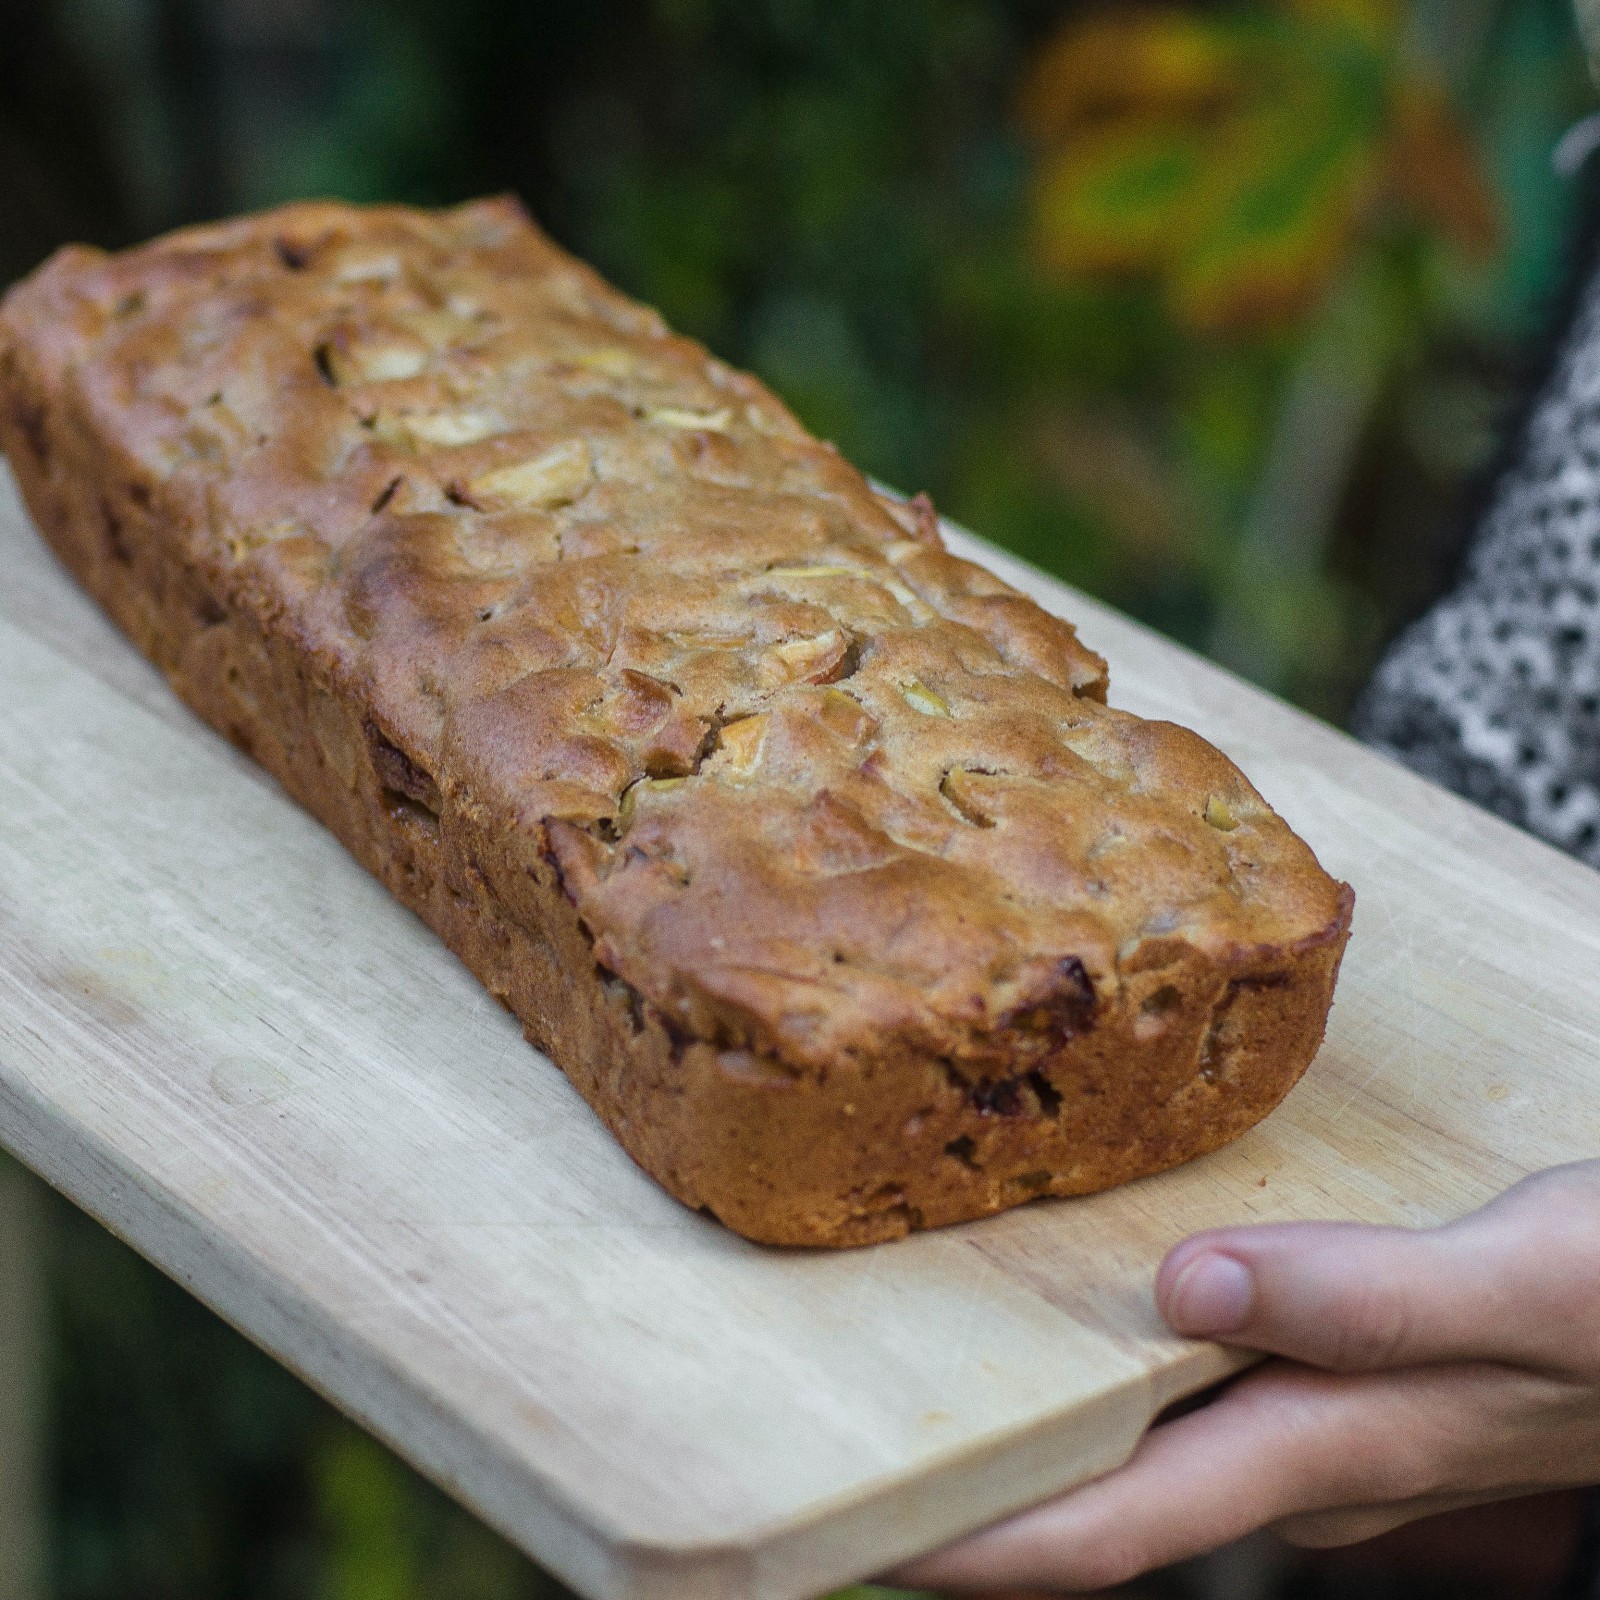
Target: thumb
1498	1286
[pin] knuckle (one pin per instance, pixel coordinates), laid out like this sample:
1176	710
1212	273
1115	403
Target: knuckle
1375	1331
1351	1449
1411	1460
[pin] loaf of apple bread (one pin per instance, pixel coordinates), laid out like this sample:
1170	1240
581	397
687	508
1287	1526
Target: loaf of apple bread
812	854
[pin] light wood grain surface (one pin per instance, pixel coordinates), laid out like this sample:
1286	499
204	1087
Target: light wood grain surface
225	1041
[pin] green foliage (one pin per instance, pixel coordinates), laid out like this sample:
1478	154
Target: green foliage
386	1536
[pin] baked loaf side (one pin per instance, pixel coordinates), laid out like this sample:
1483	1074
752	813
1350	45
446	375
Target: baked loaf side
811	853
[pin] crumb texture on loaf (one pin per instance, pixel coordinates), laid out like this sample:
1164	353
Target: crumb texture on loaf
811	853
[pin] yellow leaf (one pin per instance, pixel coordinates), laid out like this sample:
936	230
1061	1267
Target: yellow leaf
1282	207
1162	61
1113	199
1376	21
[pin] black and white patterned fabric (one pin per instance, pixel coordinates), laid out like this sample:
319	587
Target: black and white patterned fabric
1495	692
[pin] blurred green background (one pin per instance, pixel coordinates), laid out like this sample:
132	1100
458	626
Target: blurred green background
1212	309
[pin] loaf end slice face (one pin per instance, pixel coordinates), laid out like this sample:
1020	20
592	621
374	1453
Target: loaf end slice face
812	854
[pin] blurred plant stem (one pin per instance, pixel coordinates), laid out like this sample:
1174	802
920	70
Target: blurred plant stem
1589	25
1271	595
1447	38
22	1362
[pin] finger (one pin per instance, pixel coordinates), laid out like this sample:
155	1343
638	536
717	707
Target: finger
1508	1283
1283	1447
1339	1296
1280	1443
1288	1443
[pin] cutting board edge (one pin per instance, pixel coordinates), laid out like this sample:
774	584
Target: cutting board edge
990	1480
258	1303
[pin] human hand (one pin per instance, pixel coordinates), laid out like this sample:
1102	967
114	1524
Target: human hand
1418	1372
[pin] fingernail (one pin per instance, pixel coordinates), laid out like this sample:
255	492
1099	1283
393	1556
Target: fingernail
1211	1297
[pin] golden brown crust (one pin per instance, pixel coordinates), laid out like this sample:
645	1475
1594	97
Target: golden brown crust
810	852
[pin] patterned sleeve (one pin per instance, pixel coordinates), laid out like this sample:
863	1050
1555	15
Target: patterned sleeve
1495	692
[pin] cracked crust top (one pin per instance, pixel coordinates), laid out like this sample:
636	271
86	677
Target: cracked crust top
816	787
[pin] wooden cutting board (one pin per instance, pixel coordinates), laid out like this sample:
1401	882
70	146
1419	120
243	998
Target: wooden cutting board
220	1037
